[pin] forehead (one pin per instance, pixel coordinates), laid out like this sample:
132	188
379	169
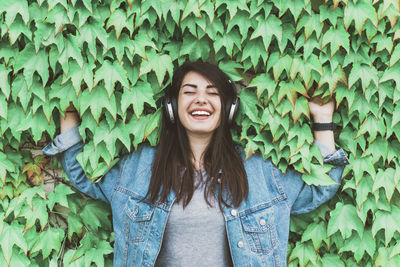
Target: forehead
196	78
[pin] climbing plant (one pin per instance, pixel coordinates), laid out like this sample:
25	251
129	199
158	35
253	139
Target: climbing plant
112	60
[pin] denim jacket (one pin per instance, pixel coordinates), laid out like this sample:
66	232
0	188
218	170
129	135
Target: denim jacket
257	230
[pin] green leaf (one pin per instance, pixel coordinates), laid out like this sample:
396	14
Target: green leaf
279	64
37	123
365	73
263	82
160	64
48	240
75	225
395	56
233	7
12	8
359	246
195	48
388	221
301	107
119	20
359	12
372	126
192	7
384	258
267	28
12	235
59	195
388	179
249	103
140	94
227	40
316	232
38	211
96	252
3	106
337	38
154	123
95	215
89	32
31	61
15	30
242	21
4	81
59	17
65	93
96	101
319	176
332	78
310	23
231	69
344	218
304	252
111	73
137	128
254	49
361	165
71	50
290	90
392	74
140	42
332	260
109	136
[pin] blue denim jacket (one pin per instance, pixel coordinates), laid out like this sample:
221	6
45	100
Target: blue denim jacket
257	230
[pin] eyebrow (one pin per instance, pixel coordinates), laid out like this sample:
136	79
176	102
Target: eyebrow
195	86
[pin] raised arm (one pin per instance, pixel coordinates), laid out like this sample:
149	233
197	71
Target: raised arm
302	197
69	144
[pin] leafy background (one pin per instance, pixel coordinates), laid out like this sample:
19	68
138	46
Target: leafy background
112	60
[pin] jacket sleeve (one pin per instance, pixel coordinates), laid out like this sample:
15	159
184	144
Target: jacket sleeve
304	198
69	144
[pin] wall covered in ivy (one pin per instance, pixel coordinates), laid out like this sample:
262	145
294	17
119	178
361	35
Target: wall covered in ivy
113	58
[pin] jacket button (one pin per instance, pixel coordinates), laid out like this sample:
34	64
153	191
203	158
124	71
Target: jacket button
136	211
240	244
262	222
233	212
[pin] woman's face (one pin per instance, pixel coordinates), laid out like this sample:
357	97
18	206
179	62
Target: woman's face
199	105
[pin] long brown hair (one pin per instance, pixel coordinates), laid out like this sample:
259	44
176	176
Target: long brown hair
173	168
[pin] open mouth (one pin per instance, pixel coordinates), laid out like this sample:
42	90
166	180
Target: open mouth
200	114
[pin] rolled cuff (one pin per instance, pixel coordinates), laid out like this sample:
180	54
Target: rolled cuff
63	141
337	157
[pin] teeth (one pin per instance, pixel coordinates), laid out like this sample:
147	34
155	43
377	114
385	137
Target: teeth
200	112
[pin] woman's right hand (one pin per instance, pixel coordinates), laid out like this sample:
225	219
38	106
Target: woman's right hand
70	120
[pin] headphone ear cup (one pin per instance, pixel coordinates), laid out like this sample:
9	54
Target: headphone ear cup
170	108
232	107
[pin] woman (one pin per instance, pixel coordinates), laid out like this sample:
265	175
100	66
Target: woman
193	200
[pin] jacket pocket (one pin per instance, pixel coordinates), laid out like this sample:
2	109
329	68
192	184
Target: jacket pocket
138	220
260	231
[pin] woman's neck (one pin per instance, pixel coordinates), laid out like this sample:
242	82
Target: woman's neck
198	144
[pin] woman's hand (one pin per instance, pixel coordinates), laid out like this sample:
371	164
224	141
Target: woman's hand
321	113
70	120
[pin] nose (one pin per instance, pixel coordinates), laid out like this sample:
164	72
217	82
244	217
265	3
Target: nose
201	98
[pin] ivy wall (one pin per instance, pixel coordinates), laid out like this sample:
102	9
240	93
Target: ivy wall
113	58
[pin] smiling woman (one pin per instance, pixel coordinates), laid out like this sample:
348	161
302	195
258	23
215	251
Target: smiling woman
193	200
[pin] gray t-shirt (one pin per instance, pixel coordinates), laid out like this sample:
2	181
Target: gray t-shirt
196	235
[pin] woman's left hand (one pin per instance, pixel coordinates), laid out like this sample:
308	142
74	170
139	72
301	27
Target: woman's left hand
321	112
